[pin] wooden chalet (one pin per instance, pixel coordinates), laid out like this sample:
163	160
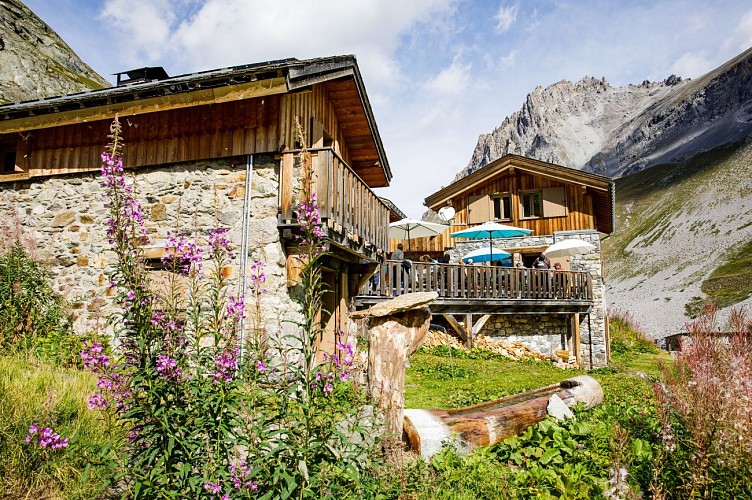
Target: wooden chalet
202	147
553	201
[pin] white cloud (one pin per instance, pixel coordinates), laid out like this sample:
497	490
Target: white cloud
231	32
741	37
144	25
505	17
692	64
451	80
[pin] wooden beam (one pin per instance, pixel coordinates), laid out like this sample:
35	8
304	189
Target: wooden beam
478	326
576	330
228	93
469	329
457	326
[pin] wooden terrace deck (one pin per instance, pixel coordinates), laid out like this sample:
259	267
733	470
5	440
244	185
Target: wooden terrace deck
483	289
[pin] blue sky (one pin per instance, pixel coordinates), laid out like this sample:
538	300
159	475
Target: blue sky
438	72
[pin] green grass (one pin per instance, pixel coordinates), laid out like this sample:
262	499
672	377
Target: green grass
35	392
731	282
448	381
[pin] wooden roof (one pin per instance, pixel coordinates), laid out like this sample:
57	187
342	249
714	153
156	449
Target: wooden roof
600	187
340	75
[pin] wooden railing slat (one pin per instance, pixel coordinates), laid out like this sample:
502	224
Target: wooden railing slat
481	282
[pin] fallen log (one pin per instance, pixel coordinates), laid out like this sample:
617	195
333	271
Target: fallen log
425	431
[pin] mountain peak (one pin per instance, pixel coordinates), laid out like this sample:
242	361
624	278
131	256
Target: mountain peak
616	130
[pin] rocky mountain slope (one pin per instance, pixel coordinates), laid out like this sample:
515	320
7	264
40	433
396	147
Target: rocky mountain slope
683	239
620	130
34	61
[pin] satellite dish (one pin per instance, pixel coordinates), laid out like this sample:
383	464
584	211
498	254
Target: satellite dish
446	213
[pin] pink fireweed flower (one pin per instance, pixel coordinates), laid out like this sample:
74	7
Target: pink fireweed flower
182	255
260	366
212	487
328	387
167	367
240	475
97	402
219	243
226	364
236	308
45	438
94	357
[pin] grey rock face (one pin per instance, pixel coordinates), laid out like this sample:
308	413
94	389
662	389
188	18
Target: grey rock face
619	130
34	61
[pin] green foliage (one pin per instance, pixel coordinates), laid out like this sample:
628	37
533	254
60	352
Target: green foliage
627	336
33	319
36	392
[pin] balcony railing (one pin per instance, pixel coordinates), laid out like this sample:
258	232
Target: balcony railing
480	282
354	216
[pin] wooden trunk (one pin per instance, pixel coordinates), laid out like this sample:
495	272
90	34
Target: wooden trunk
493	421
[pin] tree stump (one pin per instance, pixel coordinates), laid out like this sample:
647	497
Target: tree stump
397	327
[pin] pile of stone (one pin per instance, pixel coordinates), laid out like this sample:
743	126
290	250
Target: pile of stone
511	350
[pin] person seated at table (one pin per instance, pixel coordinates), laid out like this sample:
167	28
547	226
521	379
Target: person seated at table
557	267
542	262
398	254
445	259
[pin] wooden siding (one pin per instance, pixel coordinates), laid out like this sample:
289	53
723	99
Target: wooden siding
258	125
579	209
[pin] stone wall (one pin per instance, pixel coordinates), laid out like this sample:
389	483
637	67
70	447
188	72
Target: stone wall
546	333
66	215
592	326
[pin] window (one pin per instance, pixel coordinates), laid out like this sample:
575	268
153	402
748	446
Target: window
502	207
531	204
8	158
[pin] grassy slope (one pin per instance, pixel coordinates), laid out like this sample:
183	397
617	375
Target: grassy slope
649	203
35	392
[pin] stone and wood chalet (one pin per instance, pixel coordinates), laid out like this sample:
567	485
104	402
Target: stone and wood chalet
214	148
548	310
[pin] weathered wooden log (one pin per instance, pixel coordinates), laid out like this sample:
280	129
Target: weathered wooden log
396	329
488	423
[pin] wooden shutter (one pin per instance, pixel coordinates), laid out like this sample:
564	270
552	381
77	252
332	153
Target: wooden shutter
478	209
555	202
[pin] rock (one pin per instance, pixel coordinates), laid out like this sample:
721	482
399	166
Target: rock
397	305
62	219
558	408
158	212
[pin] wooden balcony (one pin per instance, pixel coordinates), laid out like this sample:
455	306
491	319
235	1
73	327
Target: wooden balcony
484	289
354	217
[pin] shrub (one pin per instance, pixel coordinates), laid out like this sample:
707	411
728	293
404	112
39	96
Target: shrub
627	336
32	318
705	412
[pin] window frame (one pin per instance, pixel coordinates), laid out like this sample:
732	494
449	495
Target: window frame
500	197
539	194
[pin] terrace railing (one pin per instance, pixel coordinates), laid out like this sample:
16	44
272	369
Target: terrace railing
480	282
348	207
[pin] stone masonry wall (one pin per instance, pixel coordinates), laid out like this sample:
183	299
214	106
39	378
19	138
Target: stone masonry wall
546	333
592	326
66	215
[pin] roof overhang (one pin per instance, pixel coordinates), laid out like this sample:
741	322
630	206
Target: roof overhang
216	86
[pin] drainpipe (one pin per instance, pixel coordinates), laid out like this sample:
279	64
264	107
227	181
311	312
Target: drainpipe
590	340
243	282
